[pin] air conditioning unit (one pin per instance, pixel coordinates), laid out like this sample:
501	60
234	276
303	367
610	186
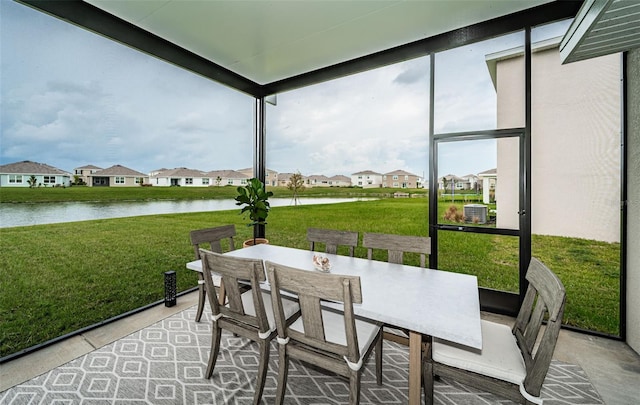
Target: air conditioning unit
475	213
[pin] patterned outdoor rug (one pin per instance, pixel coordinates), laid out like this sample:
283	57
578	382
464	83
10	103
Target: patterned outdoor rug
165	364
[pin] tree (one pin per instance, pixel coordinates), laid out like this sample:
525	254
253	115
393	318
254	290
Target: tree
32	181
296	184
218	180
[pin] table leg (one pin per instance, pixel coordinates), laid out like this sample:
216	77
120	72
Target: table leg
415	367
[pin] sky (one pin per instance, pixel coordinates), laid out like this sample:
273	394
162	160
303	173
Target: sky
70	98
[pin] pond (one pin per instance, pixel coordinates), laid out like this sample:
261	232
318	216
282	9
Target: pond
48	213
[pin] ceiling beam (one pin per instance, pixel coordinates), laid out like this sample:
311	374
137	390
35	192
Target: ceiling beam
96	20
542	14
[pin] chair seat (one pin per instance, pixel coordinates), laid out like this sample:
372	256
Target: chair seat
216	278
289	307
500	356
335	333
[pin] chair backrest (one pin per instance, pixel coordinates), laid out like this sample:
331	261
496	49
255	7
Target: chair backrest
212	237
397	245
332	239
312	288
236	274
545	299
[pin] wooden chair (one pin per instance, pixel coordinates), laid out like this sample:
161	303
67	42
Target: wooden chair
212	237
248	313
396	246
335	341
332	239
510	364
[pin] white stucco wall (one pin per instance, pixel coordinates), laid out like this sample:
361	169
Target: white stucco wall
575	145
633	200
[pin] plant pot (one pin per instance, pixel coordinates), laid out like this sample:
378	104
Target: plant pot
249	242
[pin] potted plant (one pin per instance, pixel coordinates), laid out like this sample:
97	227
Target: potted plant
254	200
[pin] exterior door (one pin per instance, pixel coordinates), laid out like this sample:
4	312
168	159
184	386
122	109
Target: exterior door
480	221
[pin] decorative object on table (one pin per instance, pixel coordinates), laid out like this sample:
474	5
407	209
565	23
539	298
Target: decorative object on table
169	288
254	199
321	263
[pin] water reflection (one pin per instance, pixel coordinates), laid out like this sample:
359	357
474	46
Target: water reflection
49	213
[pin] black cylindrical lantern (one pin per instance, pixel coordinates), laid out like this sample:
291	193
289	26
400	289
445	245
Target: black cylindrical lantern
169	288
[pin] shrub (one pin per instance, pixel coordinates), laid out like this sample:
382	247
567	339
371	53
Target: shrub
452	214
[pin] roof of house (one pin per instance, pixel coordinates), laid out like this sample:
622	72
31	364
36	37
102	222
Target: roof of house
118	170
249	171
318	177
180	172
28	167
400	173
285	176
226	174
339	177
367	172
452	176
90	167
490	171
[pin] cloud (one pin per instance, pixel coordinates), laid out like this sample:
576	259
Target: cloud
76	98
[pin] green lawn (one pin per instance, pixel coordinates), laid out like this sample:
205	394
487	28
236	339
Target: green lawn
57	278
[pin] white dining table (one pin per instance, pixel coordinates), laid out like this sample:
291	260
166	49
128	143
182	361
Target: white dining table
429	303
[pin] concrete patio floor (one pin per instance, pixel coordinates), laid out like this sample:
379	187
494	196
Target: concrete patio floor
612	366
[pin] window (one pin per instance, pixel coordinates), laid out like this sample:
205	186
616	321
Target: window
119	180
188	180
139	180
15	178
395	177
49	179
205	182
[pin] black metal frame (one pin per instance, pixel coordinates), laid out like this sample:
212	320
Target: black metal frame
502	302
89	17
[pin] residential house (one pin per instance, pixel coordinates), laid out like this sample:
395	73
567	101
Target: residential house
451	183
271	177
575	138
117	176
227	178
339	181
157	171
367	179
400	179
19	174
489	179
317	180
180	176
83	172
284	179
471	183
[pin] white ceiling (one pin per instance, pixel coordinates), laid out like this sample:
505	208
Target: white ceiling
267	40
